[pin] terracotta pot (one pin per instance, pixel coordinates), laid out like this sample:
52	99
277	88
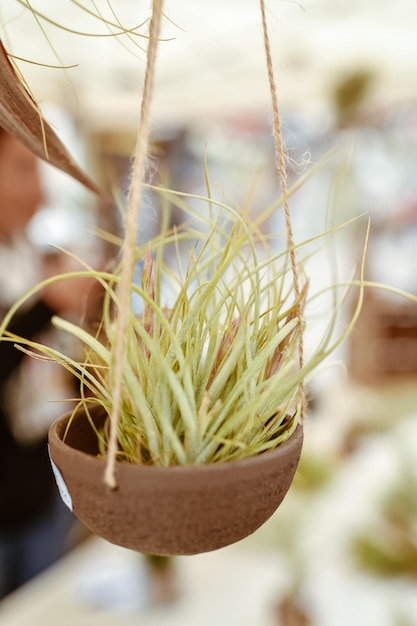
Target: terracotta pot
169	510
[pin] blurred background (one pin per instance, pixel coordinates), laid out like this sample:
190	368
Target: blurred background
342	548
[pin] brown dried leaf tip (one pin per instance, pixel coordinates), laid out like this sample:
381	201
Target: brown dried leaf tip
21	117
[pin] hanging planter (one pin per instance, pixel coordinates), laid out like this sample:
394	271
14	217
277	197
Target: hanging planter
190	424
169	510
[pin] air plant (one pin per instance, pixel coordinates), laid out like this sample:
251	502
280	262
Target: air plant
210	367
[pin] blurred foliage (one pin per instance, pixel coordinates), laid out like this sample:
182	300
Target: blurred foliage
390	547
313	472
349	94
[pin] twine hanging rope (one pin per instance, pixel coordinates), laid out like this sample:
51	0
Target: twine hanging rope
282	176
131	221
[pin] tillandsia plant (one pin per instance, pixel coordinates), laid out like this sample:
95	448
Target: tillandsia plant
210	376
208	367
211	370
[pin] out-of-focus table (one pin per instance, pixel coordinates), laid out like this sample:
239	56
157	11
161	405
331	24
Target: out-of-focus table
95	586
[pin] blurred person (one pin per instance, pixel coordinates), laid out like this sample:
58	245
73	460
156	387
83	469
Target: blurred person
34	522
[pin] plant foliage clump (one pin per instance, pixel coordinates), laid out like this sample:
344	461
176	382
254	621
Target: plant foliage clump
210	367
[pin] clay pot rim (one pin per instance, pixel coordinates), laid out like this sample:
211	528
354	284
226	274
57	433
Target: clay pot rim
284	448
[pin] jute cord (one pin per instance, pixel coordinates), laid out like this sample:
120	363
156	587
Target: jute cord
128	256
282	176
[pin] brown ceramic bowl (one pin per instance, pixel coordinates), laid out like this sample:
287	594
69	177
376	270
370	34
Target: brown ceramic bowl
170	510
